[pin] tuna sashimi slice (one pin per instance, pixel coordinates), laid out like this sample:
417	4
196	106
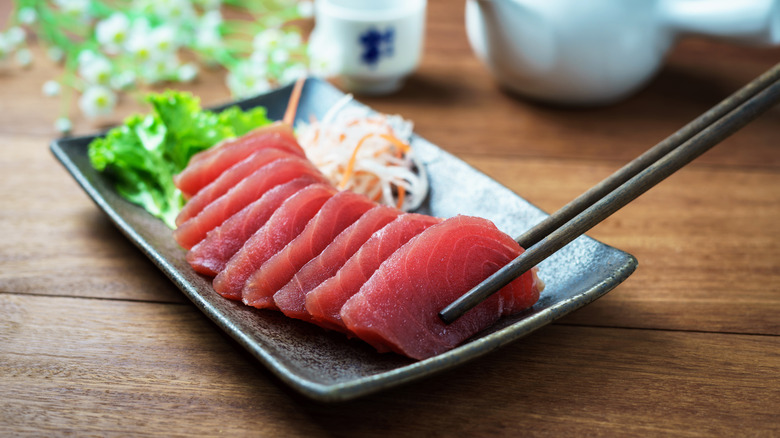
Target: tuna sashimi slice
324	302
204	167
341	211
282	227
212	253
291	298
242	194
227	180
398	306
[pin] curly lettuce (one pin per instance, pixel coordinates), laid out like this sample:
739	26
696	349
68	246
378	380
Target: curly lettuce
146	151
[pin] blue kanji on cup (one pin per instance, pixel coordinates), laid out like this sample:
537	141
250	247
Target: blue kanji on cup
376	44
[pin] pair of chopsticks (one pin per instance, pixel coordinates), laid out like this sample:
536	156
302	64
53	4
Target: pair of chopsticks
625	185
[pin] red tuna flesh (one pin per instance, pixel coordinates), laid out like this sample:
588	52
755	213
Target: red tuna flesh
242	194
212	253
325	301
291	298
282	227
398	306
338	213
207	165
227	180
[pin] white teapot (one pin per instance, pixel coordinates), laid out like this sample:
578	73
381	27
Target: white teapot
596	52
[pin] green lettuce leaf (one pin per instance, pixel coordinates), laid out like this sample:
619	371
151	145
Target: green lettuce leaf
145	152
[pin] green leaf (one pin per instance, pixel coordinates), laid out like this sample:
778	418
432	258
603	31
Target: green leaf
143	155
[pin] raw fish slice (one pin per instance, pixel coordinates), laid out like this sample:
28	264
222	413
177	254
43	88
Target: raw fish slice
227	180
283	226
242	194
204	167
291	299
324	303
341	211
212	253
398	306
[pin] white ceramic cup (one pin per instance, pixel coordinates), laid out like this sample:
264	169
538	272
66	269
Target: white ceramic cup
373	45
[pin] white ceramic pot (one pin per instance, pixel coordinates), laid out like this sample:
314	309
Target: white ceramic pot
597	52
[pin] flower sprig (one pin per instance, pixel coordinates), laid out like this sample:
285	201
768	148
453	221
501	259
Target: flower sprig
112	47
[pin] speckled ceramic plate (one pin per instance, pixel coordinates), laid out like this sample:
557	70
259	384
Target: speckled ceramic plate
327	366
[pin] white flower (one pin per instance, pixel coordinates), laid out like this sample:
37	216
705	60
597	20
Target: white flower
95	69
27	16
292	73
112	32
97	100
323	60
268	40
24	57
244	81
86	56
51	88
160	69
187	72
123	81
139	42
16	35
63	125
208	40
74	8
163	39
211	19
280	56
306	9
172	10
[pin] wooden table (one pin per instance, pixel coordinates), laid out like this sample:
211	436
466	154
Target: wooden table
94	340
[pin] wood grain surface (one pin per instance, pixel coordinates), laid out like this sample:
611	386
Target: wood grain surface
94	340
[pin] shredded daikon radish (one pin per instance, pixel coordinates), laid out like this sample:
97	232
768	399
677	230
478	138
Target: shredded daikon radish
367	153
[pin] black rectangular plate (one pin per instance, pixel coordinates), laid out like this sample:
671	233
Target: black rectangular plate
327	366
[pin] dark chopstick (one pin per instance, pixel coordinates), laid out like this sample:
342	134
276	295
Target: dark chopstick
627	184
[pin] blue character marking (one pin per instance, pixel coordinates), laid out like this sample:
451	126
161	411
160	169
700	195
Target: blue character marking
376	44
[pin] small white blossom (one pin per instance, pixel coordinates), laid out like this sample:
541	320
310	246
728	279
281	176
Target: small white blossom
123	81
74	8
16	35
160	69
163	40
243	81
280	56
85	56
306	9
187	72
51	88
97	100
63	125
211	19
27	16
112	33
292	73
96	70
268	40
24	57
139	42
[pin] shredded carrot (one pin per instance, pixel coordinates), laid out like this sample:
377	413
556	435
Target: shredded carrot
351	162
292	105
366	152
401	196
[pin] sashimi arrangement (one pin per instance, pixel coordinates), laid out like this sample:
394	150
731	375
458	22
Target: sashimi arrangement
277	231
